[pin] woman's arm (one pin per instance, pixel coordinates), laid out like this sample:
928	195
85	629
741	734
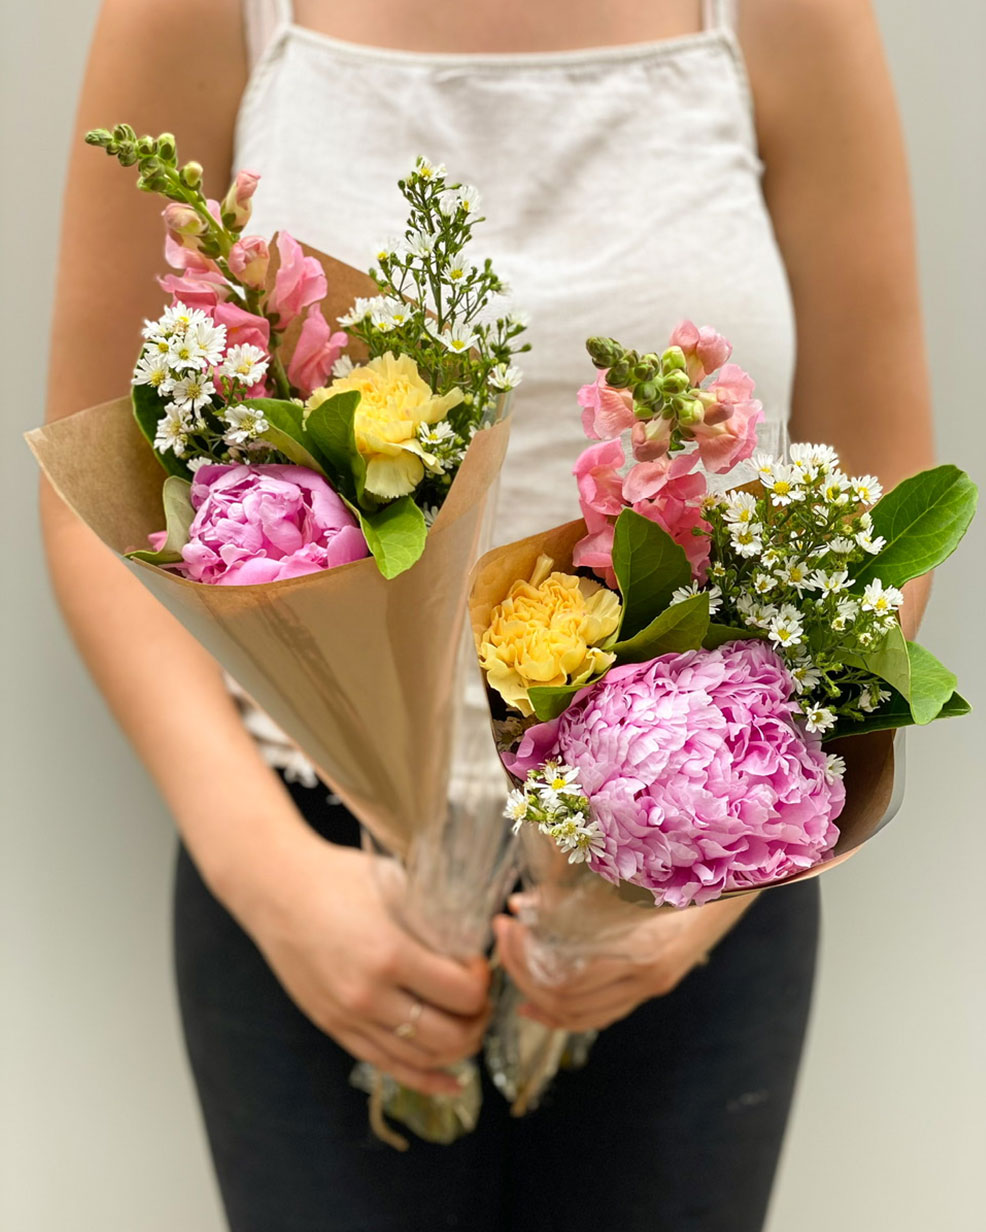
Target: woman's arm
836	186
311	907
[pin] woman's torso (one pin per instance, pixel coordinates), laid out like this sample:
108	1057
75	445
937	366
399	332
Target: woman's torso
621	187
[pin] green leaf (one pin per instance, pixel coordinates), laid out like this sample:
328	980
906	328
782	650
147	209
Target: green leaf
396	535
148	409
551	700
719	635
679	627
890	661
330	427
178	515
932	684
895	713
922	519
286	432
649	567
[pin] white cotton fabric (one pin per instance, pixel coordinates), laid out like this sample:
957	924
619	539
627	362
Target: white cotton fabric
621	187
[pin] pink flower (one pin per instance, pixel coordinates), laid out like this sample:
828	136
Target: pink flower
606	412
248	260
299	281
236	205
242	328
696	772
316	350
266	523
728	433
651	438
600	483
705	350
672	498
198	287
595	550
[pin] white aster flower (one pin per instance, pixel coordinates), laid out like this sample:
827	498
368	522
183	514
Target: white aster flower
360	310
835	767
245	363
764	465
171	432
841	545
421	243
797	575
804	673
246	423
819	719
518	319
717	569
746	539
184	352
803	460
866	489
343	366
845	614
881	599
786	629
505	376
429	170
835	489
688	592
516	808
152	369
830	583
771	556
392	246
193	391
458	272
763	583
193	464
872	697
783	485
179	317
867	542
457	337
210	339
740	508
155	331
579	837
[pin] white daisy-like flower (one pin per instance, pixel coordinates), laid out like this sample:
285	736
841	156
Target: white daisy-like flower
866	489
797	575
771	556
717	569
457	337
579	837
429	170
764	465
688	592
152	369
783	486
762	615
803	460
740	507
825	458
786	629
764	583
516	808
211	340
804	674
421	243
845	614
179	317
171	432
193	391
458	272
870	544
184	352
841	545
363	308
872	697
835	489
246	423
830	583
245	363
881	599
154	331
193	464
343	366
835	767
819	719
390	247
505	377
746	539
518	319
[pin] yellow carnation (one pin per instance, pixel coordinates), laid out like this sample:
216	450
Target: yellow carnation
546	632
394	401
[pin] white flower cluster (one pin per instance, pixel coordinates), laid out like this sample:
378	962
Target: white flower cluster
443	445
185	360
784	559
551	798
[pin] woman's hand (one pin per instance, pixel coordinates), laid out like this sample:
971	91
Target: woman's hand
322	925
666	946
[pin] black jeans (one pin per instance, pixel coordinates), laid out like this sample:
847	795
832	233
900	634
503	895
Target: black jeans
675	1125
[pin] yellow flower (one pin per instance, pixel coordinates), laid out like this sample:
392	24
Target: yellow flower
546	632
394	401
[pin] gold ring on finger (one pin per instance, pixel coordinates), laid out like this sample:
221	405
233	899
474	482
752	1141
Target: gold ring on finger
408	1029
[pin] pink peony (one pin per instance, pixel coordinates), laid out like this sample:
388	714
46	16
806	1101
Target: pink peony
265	523
704	349
606	412
316	350
729	432
696	773
299	281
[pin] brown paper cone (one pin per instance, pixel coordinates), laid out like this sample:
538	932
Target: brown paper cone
874	786
357	670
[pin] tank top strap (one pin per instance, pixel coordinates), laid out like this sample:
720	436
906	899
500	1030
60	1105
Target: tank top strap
262	19
719	14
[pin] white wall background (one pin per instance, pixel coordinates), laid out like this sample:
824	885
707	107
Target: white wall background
98	1126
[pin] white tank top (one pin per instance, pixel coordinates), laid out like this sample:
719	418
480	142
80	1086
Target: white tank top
621	187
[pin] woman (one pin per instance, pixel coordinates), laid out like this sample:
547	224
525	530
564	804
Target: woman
620	150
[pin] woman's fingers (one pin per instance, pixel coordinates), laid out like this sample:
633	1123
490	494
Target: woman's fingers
371	1045
431	1035
458	988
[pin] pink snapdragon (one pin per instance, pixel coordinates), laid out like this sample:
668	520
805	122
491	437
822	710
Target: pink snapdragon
315	352
606	412
248	260
266	523
696	773
727	433
704	349
237	207
299	282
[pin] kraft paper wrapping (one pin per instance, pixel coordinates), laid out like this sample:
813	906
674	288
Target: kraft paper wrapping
358	671
874	761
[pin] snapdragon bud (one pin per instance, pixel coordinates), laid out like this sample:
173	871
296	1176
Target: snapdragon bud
648	392
689	411
191	174
124	134
98	136
184	224
618	377
236	207
604	352
673	360
167	148
146	146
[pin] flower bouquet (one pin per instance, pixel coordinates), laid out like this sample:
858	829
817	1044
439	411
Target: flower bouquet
324	490
695	691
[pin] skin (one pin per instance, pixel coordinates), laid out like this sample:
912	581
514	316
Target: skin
836	187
